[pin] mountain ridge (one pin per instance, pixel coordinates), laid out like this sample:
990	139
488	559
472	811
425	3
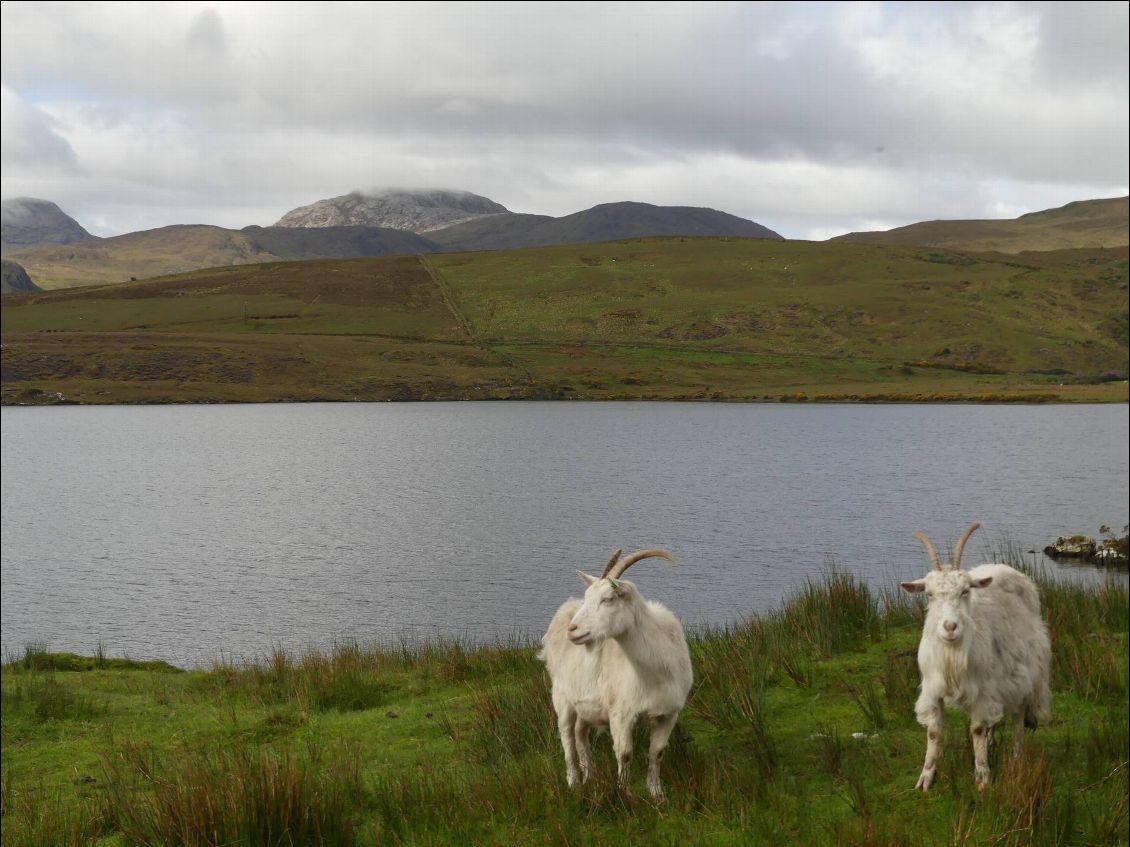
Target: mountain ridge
30	221
603	222
186	247
1103	222
183	247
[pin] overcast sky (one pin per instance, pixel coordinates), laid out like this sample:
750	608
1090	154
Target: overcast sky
810	118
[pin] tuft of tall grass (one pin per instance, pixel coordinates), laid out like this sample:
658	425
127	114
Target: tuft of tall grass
36	657
899	677
512	718
1025	808
346	679
866	696
43	698
32	820
900	609
242	796
353	678
731	697
833	615
341	681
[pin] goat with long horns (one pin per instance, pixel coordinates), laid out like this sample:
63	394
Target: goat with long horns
615	658
985	649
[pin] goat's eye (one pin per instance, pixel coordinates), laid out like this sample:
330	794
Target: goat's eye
965	593
607	600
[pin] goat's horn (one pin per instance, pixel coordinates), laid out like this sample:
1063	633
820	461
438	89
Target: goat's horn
615	558
628	561
931	550
961	545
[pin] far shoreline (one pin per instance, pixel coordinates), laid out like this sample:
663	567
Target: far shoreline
910	400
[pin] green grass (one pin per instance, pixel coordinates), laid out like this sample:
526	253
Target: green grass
663	318
799	728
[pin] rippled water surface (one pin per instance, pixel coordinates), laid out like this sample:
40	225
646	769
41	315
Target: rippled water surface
184	532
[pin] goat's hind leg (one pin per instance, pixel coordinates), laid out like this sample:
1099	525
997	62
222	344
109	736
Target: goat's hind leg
621	728
581	734
1018	731
566	718
661	728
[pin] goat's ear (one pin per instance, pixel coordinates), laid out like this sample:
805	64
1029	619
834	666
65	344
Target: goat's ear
913	587
980	583
586	579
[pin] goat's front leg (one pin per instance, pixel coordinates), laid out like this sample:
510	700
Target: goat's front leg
931	715
982	732
584	751
565	721
661	728
621	728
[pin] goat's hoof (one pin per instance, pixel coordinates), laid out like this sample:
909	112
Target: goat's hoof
924	781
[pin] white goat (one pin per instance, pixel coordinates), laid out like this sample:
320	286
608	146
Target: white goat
613	658
984	649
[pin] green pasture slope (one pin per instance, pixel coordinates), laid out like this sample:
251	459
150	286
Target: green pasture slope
665	318
799	730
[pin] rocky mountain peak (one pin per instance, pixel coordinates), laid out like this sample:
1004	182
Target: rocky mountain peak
395	208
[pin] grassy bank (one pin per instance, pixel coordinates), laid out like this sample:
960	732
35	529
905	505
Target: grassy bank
656	318
799	729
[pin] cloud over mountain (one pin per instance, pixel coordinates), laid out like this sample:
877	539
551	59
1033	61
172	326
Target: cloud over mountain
811	118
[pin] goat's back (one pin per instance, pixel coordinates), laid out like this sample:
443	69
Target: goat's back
556	639
1010	581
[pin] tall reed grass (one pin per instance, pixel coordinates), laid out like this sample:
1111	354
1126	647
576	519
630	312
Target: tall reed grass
253	797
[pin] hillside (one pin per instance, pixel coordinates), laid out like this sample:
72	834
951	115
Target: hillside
708	318
14	279
606	222
178	249
1086	223
184	248
27	221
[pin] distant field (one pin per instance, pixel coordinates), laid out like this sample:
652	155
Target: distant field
716	318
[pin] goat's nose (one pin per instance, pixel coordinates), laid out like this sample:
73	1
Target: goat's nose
950	626
572	627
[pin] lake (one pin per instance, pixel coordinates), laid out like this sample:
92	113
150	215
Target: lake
187	532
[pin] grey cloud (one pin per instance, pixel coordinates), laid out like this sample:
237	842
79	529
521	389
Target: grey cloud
30	140
206	34
1085	43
